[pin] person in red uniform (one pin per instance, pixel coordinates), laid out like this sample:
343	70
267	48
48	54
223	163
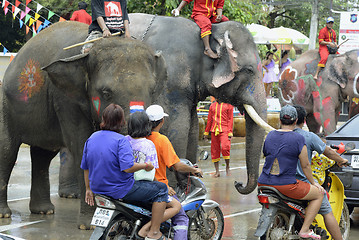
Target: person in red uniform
327	37
205	13
81	15
220	124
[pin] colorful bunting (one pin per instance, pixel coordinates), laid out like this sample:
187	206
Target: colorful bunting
27	18
21	23
38	24
31	21
27	29
33	31
17	10
50	14
27	10
39	6
11	57
6	10
62	19
22	15
3	3
17	3
5	51
27	2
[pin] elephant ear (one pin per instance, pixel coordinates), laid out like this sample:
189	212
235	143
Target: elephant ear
160	72
70	76
337	70
227	65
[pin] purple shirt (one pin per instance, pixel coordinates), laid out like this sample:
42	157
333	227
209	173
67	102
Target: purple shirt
285	147
143	150
106	155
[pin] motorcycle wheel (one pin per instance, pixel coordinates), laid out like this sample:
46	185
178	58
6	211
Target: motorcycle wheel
344	223
119	228
278	230
215	220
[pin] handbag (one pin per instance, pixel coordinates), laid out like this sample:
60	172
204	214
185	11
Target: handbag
332	50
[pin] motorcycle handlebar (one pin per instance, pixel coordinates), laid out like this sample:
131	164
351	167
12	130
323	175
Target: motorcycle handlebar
334	146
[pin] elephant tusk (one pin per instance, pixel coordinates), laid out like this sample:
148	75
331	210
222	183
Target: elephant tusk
257	119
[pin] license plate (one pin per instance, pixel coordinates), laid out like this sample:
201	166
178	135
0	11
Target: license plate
355	161
102	217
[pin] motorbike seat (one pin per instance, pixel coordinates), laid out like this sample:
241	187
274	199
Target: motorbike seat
271	190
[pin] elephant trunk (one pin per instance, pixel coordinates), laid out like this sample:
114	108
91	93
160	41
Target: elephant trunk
254	141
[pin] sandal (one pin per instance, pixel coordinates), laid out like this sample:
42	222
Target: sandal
138	237
310	235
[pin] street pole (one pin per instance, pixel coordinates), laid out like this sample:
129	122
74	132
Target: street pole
313	25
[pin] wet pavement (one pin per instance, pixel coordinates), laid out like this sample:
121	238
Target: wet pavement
241	212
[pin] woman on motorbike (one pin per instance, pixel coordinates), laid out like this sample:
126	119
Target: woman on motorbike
144	151
283	149
109	165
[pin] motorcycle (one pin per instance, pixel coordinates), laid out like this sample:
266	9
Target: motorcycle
116	219
282	217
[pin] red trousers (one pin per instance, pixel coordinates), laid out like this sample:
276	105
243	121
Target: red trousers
218	143
205	23
324	53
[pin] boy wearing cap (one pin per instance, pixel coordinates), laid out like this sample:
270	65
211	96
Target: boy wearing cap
167	157
327	37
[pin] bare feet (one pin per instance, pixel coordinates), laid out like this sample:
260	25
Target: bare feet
216	175
315	77
228	172
210	53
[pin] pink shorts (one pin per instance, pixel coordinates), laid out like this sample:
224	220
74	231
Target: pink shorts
296	190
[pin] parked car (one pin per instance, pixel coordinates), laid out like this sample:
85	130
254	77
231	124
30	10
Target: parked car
348	132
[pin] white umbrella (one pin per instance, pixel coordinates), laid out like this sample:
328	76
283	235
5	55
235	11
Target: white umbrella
288	36
260	33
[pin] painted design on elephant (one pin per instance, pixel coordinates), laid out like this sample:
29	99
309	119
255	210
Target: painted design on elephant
311	67
355	100
287	84
251	88
96	103
30	79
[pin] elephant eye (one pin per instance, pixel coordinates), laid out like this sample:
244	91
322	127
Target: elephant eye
106	94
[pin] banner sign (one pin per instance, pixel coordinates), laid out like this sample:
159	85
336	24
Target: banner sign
349	29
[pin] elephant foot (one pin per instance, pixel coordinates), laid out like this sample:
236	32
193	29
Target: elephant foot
43	209
69	192
84	222
5	212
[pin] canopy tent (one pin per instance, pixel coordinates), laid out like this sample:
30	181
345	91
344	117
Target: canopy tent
261	34
288	36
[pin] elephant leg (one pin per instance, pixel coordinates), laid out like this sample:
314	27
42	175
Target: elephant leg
40	202
68	184
193	137
312	123
9	150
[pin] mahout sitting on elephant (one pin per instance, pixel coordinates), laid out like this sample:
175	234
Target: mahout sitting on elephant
321	98
54	98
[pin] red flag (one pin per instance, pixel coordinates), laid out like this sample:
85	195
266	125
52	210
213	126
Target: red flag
62	19
17	3
38	23
13	8
6	4
11	57
28	1
27	29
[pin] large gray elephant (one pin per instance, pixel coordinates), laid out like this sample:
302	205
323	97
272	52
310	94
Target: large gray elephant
323	98
52	100
235	78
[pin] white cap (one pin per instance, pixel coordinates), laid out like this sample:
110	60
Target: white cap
155	112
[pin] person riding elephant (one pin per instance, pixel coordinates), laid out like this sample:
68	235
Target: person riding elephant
234	78
53	98
321	98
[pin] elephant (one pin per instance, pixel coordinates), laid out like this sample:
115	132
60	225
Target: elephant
52	98
321	99
235	78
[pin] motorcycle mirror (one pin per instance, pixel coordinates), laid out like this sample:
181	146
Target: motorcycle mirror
349	146
203	155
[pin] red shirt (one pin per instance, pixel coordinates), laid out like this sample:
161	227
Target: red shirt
220	116
206	7
326	35
81	16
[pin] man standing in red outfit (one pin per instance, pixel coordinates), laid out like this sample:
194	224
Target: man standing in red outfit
220	124
81	15
204	13
327	37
